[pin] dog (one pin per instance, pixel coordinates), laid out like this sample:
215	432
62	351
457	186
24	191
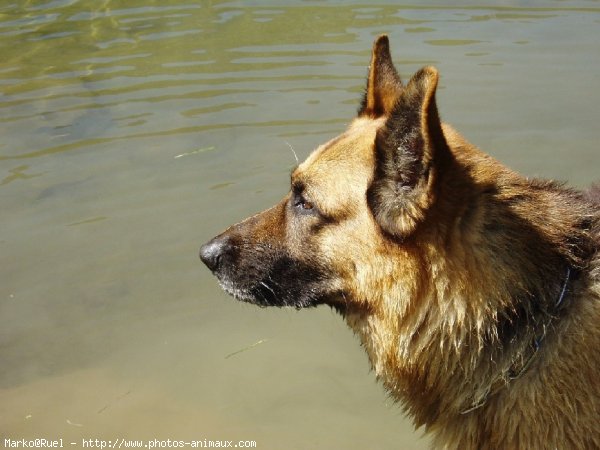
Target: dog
475	291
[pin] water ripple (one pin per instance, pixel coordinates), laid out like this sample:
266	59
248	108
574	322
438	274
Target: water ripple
178	62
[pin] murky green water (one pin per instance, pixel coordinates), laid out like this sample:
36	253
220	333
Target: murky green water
132	131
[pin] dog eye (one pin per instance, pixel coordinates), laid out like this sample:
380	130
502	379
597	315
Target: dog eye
305	205
302	205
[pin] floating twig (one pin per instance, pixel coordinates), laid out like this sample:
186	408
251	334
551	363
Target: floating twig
262	341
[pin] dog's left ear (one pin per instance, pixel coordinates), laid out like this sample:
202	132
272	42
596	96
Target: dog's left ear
383	83
410	150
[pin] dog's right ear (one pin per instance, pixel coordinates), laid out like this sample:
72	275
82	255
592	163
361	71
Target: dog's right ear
383	83
410	153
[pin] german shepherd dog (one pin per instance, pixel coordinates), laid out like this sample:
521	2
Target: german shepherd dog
475	291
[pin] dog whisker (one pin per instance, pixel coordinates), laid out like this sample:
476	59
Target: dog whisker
293	151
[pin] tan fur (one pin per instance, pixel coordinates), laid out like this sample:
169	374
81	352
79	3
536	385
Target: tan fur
447	275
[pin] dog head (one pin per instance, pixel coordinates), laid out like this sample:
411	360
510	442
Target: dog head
349	222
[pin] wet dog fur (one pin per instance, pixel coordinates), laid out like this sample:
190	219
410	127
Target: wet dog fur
474	290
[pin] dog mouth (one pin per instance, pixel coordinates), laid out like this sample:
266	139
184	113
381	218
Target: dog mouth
268	293
238	293
260	295
274	278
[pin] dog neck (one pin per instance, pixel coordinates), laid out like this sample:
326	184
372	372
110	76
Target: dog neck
522	361
451	361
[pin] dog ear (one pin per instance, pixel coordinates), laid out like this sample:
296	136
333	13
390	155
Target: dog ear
410	149
383	82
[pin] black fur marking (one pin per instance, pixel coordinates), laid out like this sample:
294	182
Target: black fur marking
289	282
264	275
399	147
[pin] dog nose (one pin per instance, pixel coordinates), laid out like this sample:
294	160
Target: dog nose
212	252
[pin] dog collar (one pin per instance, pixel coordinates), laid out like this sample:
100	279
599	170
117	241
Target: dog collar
519	367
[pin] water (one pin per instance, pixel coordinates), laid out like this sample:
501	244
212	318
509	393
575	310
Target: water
133	131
